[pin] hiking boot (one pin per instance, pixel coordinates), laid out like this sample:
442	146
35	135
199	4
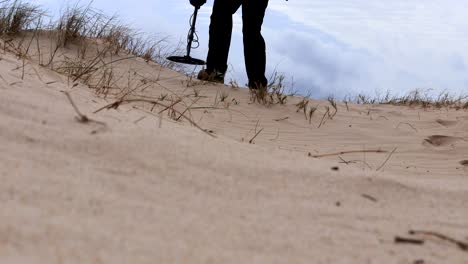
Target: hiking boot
211	76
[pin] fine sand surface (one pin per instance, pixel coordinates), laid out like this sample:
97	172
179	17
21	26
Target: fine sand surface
135	186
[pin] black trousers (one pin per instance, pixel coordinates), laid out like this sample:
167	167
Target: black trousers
253	12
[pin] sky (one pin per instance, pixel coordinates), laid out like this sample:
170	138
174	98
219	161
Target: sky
331	47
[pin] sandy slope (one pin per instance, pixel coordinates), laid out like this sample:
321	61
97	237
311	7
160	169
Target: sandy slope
139	190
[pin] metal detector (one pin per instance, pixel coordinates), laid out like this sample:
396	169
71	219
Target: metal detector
190	39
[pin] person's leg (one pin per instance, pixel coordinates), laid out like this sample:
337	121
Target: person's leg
253	12
220	35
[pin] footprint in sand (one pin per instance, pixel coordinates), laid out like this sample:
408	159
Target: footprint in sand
440	141
447	123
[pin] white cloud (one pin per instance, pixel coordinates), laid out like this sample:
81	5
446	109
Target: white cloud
369	23
410	43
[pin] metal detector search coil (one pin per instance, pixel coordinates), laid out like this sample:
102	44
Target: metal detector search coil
186	60
190	39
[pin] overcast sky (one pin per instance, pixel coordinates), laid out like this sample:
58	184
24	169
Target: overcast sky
333	47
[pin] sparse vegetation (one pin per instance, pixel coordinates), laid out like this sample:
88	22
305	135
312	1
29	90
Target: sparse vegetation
16	16
274	93
333	104
84	27
302	106
100	42
311	113
418	98
327	112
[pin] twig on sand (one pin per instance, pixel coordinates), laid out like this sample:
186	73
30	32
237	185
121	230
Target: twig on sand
281	119
369	197
348	152
405	240
81	118
256	135
116	104
462	245
387	159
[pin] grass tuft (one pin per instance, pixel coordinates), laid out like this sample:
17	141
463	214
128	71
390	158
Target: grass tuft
274	93
418	98
16	16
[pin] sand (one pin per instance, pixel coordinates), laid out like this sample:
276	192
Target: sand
135	186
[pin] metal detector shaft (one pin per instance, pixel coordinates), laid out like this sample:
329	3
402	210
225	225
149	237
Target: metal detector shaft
190	38
192	31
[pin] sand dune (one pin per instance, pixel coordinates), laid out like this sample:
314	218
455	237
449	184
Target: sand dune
135	186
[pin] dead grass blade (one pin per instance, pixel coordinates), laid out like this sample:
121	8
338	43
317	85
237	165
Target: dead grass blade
116	104
460	244
80	118
324	115
347	152
255	136
387	159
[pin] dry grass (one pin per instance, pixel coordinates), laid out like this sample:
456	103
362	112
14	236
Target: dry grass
333	104
83	26
309	111
302	106
16	17
418	98
101	42
276	92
